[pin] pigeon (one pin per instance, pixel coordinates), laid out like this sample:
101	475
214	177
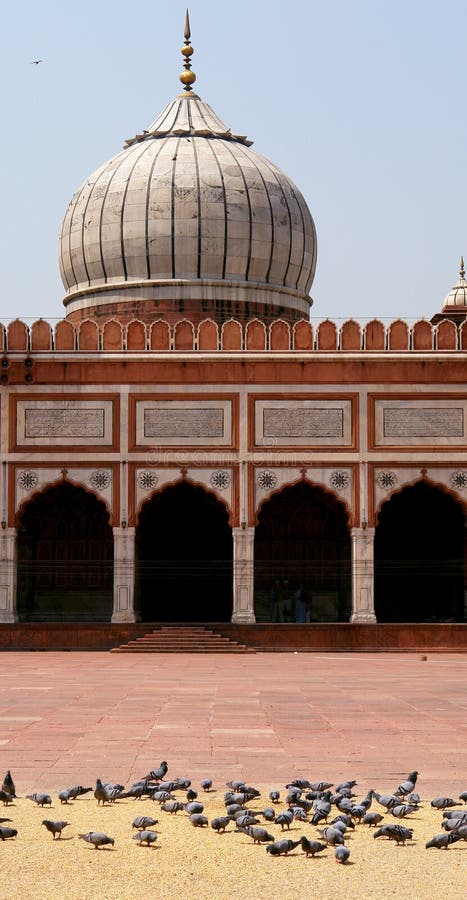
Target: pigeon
311	847
344	804
301	783
452	813
321	786
462	832
269	814
341	854
395	833
233	808
143	822
191	795
402	810
220	823
443	803
194	807
358	812
6	832
182	784
8	785
145	837
347	820
282	847
236	785
455	822
285	819
372	818
463	796
299	814
259	835
54	827
414	799
206	784
345	786
198	820
407	786
162	796
40	799
386	800
443	841
72	793
274	796
341	826
172	806
97	839
157	774
100	793
36	62
332	835
113	791
6	798
245	819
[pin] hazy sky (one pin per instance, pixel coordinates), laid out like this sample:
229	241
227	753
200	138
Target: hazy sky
361	103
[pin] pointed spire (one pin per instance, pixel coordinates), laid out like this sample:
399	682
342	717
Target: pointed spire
462	270
187	77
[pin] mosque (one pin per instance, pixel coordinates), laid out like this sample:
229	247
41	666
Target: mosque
184	445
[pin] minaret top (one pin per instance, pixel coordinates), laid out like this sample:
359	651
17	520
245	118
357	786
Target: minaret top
187	77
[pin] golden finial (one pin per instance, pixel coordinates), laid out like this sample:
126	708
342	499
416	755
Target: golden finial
187	77
462	270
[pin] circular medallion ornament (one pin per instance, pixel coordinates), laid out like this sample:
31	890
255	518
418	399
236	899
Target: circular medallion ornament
147	480
27	480
267	480
459	480
220	480
339	480
100	479
386	480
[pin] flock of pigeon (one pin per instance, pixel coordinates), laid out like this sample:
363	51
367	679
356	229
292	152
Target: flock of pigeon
305	802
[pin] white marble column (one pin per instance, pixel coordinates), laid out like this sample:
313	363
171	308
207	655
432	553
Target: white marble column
243	575
124	575
8	575
363	603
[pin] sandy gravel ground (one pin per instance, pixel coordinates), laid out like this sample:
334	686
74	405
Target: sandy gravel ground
198	863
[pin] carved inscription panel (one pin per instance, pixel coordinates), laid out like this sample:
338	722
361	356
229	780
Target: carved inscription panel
421	422
198	423
64	422
304	423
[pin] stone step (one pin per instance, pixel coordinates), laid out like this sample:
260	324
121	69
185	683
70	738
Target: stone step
182	639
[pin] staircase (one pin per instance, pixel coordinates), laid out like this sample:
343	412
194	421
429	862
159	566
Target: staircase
182	639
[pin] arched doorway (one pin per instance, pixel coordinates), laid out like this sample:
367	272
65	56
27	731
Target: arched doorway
184	557
65	557
302	539
419	557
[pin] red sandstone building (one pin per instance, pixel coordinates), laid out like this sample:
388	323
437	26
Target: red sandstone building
185	439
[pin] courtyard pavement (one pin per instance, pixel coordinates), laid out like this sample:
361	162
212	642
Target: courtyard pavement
67	718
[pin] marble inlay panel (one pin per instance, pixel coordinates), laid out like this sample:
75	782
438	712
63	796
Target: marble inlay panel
64	422
424	422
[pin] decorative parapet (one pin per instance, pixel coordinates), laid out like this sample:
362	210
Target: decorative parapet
208	336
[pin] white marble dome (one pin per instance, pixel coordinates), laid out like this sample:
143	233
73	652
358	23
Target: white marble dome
188	211
458	294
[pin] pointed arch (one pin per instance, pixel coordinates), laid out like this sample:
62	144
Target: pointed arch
184	555
420	555
302	541
65	555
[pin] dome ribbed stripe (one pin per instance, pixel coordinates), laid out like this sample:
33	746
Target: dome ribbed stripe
83	223
145	149
268	166
271	252
148	196
300	270
198	192
172	209
247	193
101	217
224	195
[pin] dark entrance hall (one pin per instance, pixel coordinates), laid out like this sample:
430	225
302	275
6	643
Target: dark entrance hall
184	557
65	557
419	557
302	539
